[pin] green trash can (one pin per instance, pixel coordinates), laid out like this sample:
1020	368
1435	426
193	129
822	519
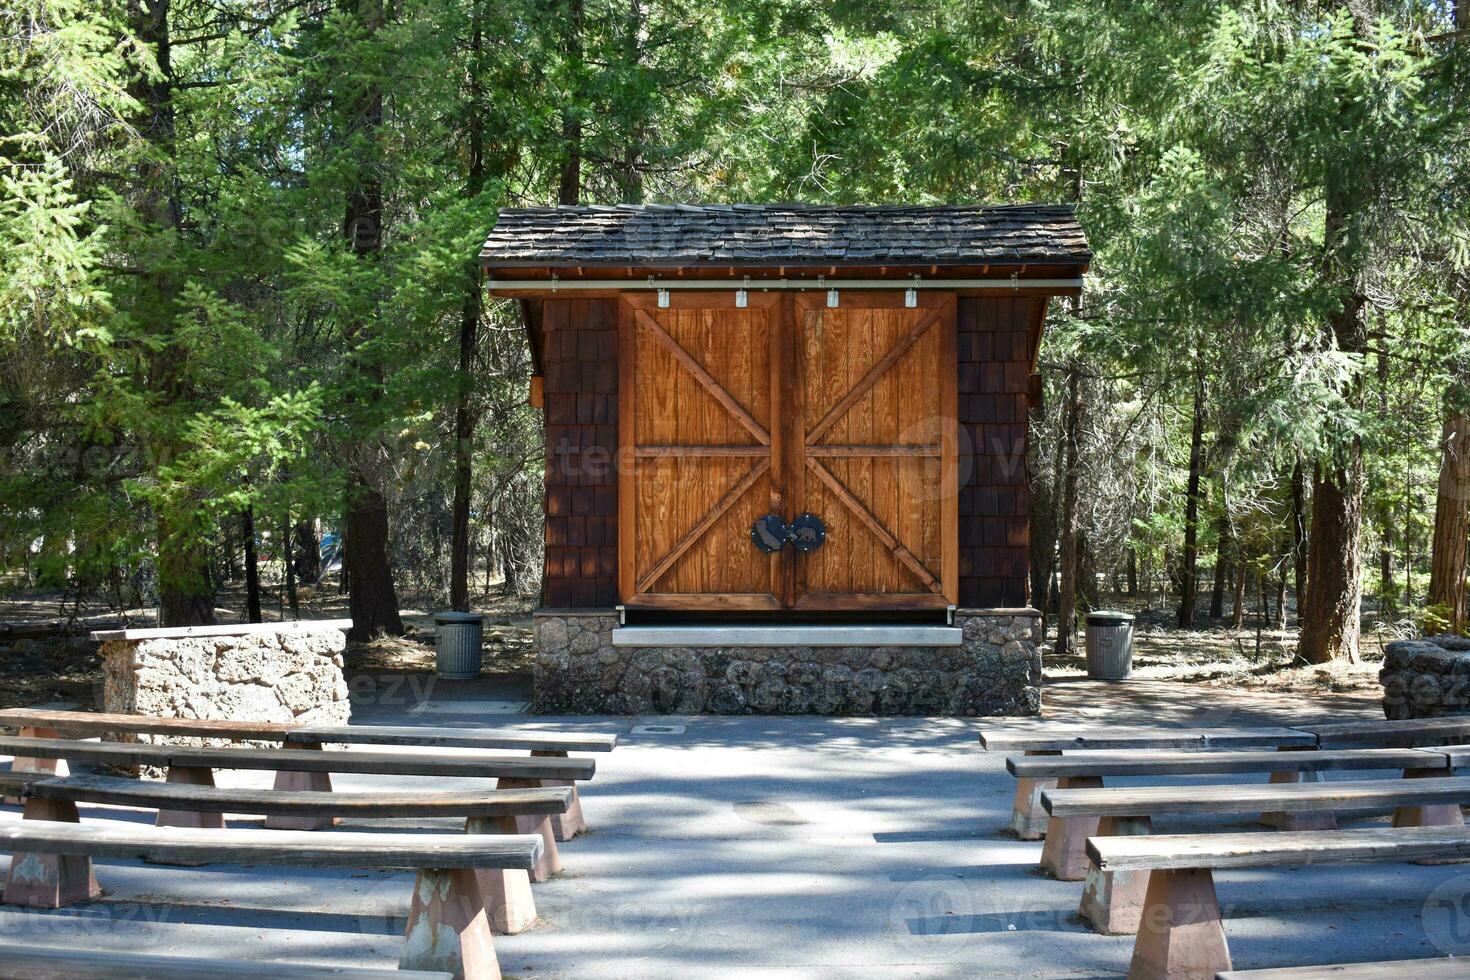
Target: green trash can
457	654
1109	645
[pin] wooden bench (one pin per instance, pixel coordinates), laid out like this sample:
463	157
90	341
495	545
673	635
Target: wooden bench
1439	968
484	812
1376	733
195	766
1064	854
448	926
1179	931
30	962
1029	822
45	723
1112	901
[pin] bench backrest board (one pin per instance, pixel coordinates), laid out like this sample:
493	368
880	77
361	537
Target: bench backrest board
1270	797
114	791
1256	850
466	738
1193	763
31	962
93	723
1061	738
301	848
1406	733
301	760
1439	968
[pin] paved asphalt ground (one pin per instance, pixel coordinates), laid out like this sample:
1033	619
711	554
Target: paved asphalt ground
780	847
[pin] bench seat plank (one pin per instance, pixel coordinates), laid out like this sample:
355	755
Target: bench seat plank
1149	800
1381	733
94	723
1069	737
117	791
1256	850
1438	968
278	847
468	738
1194	763
50	963
301	760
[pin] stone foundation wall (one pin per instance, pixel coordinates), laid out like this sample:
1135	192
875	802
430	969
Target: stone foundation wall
289	674
997	671
1426	678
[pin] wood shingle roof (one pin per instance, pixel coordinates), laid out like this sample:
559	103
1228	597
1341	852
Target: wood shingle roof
685	235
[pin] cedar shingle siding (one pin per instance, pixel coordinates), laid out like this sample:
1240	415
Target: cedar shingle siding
743	234
993	344
581	392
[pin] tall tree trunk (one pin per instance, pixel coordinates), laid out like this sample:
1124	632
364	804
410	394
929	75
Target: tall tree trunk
1132	571
1222	565
1331	616
185	583
1067	524
307	552
252	568
1451	521
1188	570
1279	622
1383	509
570	189
1043	543
288	561
1237	609
372	598
469	325
1298	535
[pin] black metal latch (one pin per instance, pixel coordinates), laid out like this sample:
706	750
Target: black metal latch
770	534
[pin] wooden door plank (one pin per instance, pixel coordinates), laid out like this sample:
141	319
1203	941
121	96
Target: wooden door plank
704	524
902	450
949	497
871	378
705	378
665	452
868	520
627	466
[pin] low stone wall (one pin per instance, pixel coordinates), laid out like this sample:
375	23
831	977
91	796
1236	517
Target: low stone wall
287	673
1426	678
997	671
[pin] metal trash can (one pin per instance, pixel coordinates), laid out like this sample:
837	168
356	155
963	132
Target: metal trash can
457	656
1109	645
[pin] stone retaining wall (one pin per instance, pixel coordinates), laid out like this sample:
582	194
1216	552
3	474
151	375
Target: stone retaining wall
1426	678
288	674
997	671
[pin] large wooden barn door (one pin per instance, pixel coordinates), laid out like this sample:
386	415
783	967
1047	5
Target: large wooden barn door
698	393
787	406
878	450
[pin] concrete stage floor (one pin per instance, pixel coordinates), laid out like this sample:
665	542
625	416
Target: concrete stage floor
780	847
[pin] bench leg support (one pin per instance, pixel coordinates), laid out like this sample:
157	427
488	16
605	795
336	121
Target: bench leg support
192	776
1064	855
543	824
1113	900
1286	820
1434	815
50	881
570	824
448	929
1028	819
1179	931
49	767
298	782
507	893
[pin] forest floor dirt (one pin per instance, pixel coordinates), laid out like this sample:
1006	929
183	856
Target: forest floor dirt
1216	655
66	667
